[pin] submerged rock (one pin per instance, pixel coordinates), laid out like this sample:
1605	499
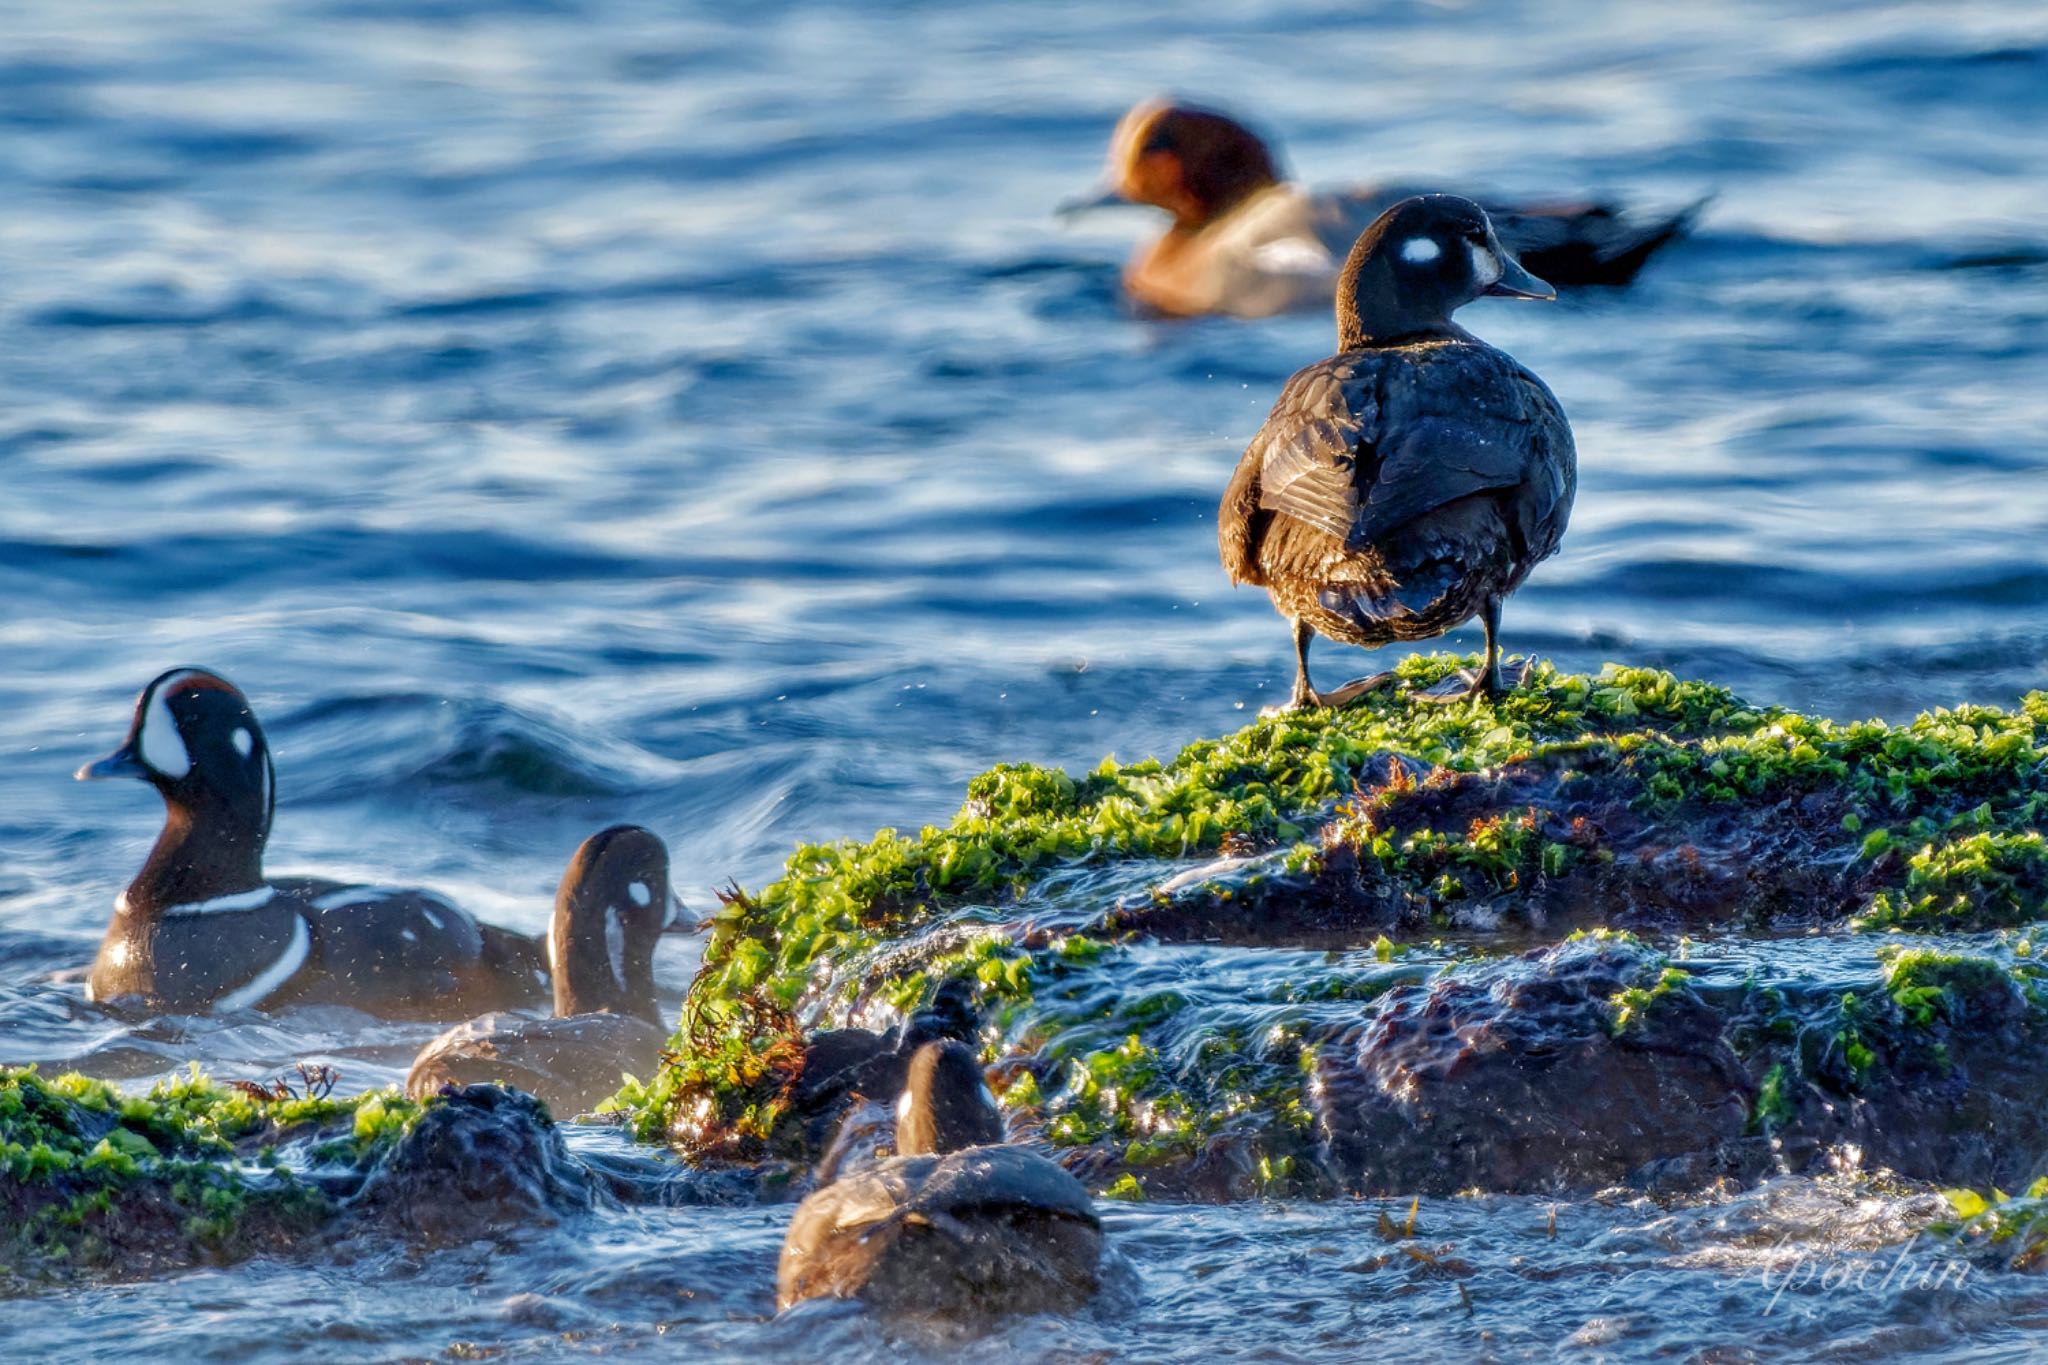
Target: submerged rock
1572	1067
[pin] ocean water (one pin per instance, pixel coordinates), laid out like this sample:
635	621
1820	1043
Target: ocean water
557	412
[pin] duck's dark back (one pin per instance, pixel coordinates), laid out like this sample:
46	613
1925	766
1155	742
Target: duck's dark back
1368	443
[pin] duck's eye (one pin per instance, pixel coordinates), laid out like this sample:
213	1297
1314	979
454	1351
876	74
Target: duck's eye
1420	250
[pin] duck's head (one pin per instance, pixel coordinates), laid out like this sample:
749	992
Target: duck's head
1419	262
612	908
1195	163
951	1014
946	1103
196	740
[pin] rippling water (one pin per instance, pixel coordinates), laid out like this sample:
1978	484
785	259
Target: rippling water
555	412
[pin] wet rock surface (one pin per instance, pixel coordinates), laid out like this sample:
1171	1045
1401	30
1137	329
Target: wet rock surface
482	1161
1527	1077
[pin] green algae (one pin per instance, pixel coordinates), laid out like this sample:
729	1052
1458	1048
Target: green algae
1632	1005
1967	786
2012	1228
179	1172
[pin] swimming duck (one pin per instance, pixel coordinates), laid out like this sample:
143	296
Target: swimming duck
611	909
201	928
955	1224
1246	243
1412	480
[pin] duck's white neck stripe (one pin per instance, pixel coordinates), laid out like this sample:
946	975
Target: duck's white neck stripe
240	900
265	982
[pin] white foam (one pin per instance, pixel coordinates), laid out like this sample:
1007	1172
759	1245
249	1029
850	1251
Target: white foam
1420	250
265	983
163	748
240	900
244	742
640	894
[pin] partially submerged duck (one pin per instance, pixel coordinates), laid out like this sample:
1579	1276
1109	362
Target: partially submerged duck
955	1224
1412	480
201	928
1245	242
611	910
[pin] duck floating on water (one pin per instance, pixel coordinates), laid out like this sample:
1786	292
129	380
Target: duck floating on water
956	1224
611	910
1244	242
201	928
1411	481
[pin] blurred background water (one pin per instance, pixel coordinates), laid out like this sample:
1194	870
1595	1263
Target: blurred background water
555	412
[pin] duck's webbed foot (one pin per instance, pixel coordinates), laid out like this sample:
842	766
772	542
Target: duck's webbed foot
1353	690
1307	698
1470	683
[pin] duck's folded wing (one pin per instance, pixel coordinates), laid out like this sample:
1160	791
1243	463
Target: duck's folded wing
1306	453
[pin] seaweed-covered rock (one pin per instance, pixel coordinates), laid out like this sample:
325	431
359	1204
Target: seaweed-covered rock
192	1172
482	1161
1330	852
1573	1066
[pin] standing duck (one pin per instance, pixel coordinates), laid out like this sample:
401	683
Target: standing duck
955	1224
611	909
1412	480
201	928
1246	243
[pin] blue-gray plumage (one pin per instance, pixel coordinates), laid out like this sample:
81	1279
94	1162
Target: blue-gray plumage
1411	481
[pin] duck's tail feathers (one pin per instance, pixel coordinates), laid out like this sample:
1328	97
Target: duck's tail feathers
1413	599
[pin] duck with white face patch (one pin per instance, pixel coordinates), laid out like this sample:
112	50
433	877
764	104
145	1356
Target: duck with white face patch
202	928
1411	481
612	908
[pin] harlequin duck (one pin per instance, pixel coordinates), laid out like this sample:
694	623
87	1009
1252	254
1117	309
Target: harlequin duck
1246	243
1412	480
201	928
612	908
955	1224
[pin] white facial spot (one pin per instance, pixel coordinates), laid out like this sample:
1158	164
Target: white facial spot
903	1106
615	945
1420	250
1485	265
640	894
163	748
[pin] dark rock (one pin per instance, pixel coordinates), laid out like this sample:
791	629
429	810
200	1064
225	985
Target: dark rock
1528	1075
482	1161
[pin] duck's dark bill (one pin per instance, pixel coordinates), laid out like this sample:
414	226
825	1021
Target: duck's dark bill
120	763
1087	203
1517	283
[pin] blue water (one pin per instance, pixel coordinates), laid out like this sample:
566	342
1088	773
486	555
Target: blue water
554	412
